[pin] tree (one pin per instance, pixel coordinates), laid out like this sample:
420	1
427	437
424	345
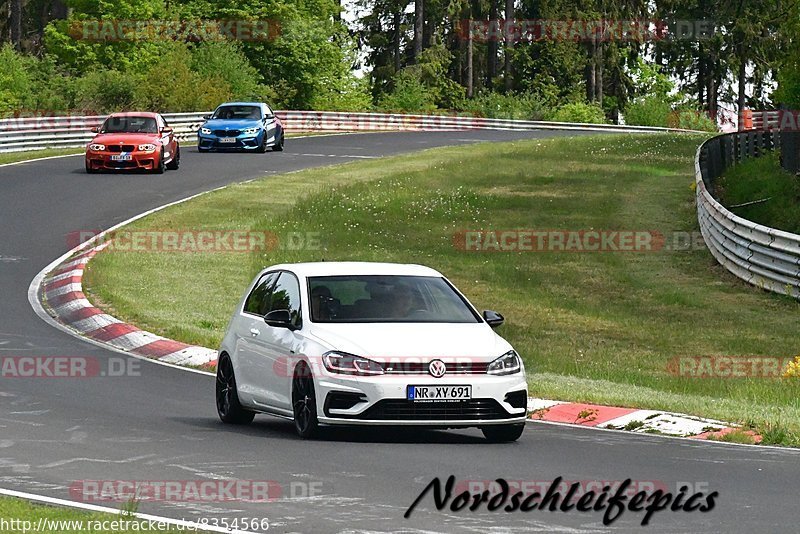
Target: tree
15	23
419	20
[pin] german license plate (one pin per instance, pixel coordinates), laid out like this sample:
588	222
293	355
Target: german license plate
121	157
227	139
438	393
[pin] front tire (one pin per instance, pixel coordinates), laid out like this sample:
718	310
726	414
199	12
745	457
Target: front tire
262	148
503	433
176	160
160	168
278	147
304	402
90	169
229	408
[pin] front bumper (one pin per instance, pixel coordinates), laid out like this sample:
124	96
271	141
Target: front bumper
381	400
241	141
138	161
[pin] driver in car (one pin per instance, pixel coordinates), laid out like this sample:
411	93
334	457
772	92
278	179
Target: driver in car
402	301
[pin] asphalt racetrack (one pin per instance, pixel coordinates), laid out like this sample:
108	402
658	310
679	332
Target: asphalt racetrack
162	424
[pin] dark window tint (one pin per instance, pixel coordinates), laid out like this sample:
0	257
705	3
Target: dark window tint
130	124
286	296
237	112
387	299
259	298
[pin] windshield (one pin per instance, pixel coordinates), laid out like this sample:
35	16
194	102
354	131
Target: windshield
237	112
129	125
386	299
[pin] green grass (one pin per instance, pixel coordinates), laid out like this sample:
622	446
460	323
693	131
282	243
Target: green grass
759	179
58	519
12	157
592	327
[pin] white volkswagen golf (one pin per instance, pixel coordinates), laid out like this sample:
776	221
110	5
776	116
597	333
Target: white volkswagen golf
368	344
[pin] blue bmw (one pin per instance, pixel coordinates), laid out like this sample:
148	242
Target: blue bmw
241	126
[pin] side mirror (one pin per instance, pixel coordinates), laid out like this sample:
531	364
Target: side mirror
167	130
280	319
95	129
269	116
493	318
206	117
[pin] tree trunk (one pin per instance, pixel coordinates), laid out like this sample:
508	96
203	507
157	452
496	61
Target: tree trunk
589	75
59	10
427	30
470	89
398	19
701	77
711	90
15	23
509	42
491	47
741	99
419	20
598	73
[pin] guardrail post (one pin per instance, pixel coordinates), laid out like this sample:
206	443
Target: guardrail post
715	158
727	152
789	151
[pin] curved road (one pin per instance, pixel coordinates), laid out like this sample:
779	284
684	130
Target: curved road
161	425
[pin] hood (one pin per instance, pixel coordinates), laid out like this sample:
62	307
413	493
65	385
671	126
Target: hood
125	138
232	124
379	341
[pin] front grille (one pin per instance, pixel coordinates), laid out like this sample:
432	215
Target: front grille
226	133
405	410
420	368
123	164
120	148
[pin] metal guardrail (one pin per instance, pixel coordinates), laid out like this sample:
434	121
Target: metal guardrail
759	255
32	133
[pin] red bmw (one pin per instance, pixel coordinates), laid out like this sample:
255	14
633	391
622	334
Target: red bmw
132	141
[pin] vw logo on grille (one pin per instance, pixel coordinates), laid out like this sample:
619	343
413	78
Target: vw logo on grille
437	368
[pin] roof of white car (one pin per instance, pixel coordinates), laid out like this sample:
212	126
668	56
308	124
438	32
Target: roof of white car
339	268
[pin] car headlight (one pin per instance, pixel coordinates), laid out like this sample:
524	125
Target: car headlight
147	148
205	131
349	364
507	364
96	147
252	131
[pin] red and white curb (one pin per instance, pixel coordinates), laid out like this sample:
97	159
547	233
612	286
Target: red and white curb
631	419
62	292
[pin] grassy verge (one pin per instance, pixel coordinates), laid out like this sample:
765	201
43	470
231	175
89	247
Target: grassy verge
19	516
593	327
12	157
775	191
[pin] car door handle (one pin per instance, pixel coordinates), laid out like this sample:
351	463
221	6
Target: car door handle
254	332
